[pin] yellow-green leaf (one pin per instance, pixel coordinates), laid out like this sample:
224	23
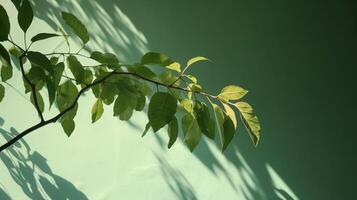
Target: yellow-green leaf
187	104
196	59
250	121
231	92
97	110
231	114
174	66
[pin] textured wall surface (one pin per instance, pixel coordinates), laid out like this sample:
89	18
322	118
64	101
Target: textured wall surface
296	58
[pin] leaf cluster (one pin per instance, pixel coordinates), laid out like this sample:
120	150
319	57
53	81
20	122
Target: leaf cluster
173	98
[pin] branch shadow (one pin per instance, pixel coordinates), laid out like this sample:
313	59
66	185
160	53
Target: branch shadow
30	171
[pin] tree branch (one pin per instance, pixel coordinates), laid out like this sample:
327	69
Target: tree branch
33	88
58	116
55	118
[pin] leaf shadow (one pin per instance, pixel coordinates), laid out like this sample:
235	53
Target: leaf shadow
104	18
30	171
176	181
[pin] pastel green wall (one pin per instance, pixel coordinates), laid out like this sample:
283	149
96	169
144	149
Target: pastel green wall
295	58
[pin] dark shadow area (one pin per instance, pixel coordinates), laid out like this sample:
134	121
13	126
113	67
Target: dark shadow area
30	171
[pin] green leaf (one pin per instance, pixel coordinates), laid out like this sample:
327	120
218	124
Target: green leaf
172	131
187	104
76	68
147	127
162	108
88	77
51	89
231	92
43	36
167	77
6	71
250	121
40	60
57	73
4	24
174	66
141	100
156	59
108	91
196	59
77	26
191	131
229	131
2	92
204	119
219	117
126	114
192	78
125	102
40	102
4	54
25	15
54	60
104	58
231	114
66	94
97	110
144	72
68	126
